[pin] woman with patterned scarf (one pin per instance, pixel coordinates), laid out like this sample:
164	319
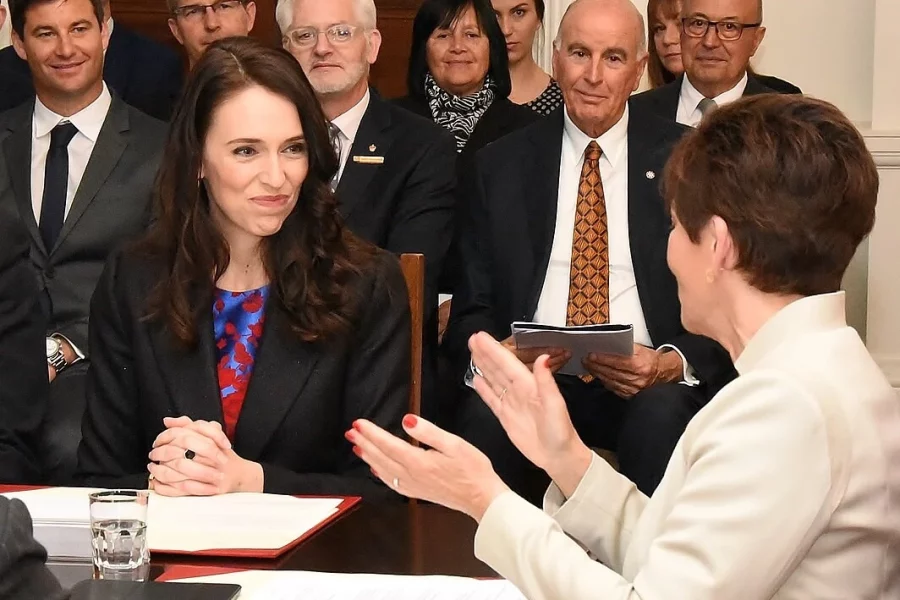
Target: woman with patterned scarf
459	78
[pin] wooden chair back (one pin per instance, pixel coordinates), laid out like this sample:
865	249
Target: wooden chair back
413	267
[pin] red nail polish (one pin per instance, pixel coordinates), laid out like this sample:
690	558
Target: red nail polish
410	421
350	435
357	451
356	425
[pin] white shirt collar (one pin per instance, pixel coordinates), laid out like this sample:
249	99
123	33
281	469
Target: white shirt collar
349	122
612	142
89	120
691	97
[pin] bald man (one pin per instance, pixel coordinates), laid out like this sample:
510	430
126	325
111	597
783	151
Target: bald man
530	242
718	39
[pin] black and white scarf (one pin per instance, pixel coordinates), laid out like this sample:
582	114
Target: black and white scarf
458	114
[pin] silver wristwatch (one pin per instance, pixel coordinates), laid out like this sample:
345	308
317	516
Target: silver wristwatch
55	357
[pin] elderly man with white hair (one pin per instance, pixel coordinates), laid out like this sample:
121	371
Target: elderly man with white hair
396	181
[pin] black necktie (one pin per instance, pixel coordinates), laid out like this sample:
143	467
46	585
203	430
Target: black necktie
56	179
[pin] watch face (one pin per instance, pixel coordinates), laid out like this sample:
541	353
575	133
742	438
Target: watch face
52	347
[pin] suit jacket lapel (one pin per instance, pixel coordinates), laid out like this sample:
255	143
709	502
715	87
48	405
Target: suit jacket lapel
108	150
372	133
191	375
754	87
281	369
542	198
17	149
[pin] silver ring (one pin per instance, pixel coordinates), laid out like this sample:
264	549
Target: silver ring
503	393
396	483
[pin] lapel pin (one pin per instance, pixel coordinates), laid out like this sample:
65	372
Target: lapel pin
651	175
369	160
373	148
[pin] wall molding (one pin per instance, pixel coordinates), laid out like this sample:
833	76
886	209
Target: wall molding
885	148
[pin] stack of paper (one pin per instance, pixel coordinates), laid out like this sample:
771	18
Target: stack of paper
580	341
310	585
246	522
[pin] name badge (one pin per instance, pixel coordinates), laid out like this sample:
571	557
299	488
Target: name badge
369	160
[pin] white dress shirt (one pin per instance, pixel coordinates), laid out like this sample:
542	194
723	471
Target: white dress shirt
624	302
786	486
689	101
348	127
88	121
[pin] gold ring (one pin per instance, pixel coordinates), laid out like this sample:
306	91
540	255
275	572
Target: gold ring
396	483
503	393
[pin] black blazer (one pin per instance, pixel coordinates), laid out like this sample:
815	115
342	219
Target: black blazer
23	574
663	101
507	239
112	204
301	399
405	204
144	73
24	386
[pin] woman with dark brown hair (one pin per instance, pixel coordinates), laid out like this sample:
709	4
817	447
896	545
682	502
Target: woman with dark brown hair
237	341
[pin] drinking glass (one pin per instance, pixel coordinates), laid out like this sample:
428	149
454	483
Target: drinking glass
119	534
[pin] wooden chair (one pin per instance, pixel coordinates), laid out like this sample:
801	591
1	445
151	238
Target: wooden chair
413	267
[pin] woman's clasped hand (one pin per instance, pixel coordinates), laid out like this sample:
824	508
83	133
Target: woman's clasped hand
195	458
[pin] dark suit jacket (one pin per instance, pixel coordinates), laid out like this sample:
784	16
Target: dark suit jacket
501	118
779	85
144	73
301	399
23	575
24	386
407	203
112	205
508	237
663	101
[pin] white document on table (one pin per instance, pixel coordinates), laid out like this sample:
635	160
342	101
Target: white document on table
580	341
230	521
313	585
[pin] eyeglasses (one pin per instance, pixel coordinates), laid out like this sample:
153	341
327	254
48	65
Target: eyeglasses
306	37
195	12
728	31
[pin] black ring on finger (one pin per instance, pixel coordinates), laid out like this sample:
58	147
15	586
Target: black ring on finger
189	454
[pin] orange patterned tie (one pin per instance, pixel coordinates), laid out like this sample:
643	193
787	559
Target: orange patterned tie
589	274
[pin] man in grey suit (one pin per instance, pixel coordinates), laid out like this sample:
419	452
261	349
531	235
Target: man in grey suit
81	165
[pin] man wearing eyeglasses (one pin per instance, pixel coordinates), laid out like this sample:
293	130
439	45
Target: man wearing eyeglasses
196	25
397	177
718	39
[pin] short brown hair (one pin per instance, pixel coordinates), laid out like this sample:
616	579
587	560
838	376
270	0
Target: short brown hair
792	178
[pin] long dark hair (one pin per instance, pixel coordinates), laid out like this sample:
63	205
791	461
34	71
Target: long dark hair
436	14
311	262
